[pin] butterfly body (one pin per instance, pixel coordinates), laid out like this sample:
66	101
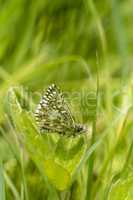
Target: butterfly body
53	115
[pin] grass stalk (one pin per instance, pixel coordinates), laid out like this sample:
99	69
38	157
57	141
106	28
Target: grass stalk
92	157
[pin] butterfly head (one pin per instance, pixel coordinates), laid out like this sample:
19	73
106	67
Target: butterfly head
80	128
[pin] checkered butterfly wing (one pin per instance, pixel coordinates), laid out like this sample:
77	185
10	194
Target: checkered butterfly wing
52	113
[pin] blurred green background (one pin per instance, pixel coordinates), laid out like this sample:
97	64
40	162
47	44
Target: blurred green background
64	42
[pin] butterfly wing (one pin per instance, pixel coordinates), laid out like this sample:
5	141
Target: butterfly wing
53	113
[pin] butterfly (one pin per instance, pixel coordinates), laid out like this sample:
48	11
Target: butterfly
52	114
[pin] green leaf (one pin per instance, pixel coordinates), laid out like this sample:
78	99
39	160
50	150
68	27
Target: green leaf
56	158
122	190
57	174
14	107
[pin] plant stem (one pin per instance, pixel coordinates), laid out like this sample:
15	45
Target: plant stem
92	157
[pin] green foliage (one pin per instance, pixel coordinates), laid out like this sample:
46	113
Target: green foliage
123	189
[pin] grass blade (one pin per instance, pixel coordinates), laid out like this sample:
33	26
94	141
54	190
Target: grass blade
2	183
